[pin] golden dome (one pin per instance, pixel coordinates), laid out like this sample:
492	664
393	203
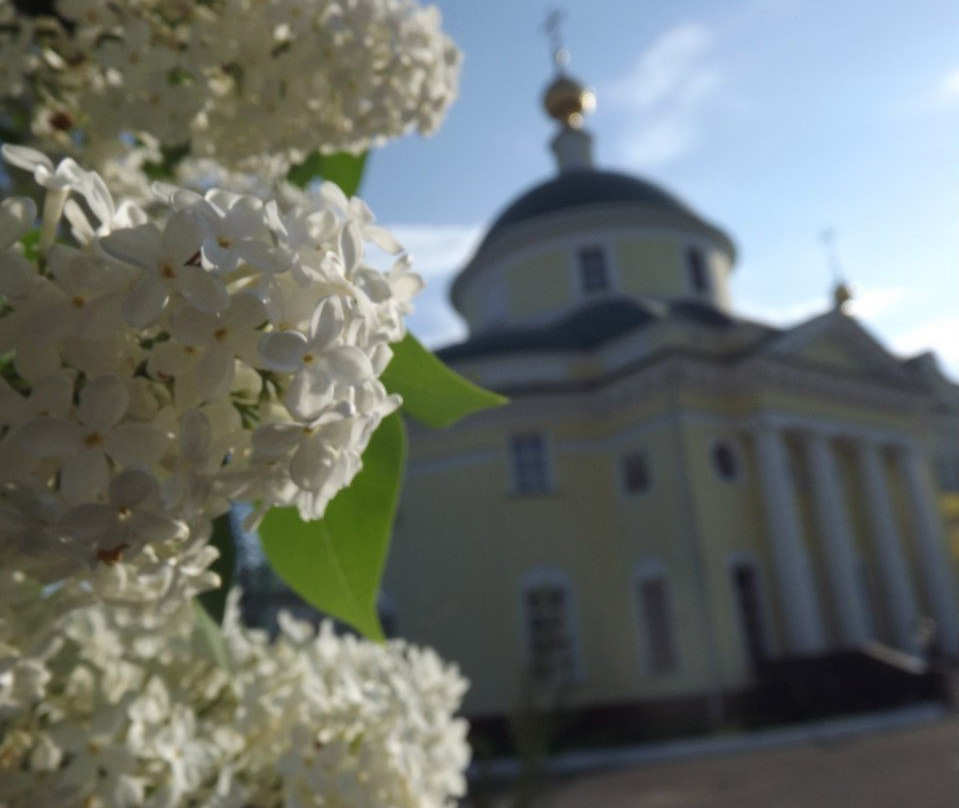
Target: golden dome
567	101
842	295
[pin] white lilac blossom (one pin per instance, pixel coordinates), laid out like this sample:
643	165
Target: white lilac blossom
99	707
251	84
220	349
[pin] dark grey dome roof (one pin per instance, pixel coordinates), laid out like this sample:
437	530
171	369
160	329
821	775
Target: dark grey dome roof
589	189
584	188
581	187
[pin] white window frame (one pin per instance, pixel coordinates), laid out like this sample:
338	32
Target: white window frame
709	287
548	480
652	571
585	255
604	242
552	577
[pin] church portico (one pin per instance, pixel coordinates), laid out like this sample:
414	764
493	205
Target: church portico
835	532
899	594
934	564
802	618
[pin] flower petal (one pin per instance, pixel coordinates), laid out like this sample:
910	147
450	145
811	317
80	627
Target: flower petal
50	437
283	350
133	487
103	402
145	301
310	392
202	289
136	444
17	216
348	365
193	327
84	476
215	372
312	464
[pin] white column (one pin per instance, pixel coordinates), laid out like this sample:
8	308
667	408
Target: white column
801	613
934	562
836	535
900	597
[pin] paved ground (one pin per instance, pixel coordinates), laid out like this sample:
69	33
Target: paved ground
907	768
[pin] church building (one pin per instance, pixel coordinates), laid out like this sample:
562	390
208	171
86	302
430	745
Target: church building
677	497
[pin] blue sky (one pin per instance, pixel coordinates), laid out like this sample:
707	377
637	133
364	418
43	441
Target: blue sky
774	118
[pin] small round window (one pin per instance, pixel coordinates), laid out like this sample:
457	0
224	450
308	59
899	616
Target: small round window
725	461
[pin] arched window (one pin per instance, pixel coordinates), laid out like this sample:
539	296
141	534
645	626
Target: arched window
698	274
654	603
726	460
593	269
552	647
747	594
637	474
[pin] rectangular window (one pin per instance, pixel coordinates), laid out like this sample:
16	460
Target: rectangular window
552	653
657	613
530	469
636	473
698	276
593	271
746	590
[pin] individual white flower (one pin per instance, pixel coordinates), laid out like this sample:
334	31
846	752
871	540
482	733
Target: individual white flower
31	539
58	182
220	339
170	258
123	525
322	363
85	444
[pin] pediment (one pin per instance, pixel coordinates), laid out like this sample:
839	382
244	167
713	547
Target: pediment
837	343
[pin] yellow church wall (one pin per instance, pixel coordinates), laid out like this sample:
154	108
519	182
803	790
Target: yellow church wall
730	525
650	267
600	537
539	283
655	530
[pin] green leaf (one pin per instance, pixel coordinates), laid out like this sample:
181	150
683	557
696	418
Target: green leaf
209	634
343	168
337	563
432	393
170	156
31	244
214	601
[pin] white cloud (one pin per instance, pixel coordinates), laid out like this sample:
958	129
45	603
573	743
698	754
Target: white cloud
940	335
667	96
439	251
868	304
872	303
782	315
